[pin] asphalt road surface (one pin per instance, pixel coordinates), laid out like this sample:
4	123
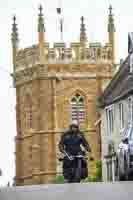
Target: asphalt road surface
84	191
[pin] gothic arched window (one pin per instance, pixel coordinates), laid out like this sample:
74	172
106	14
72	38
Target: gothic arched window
28	113
29	116
78	109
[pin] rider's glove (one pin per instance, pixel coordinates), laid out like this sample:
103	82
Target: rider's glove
71	157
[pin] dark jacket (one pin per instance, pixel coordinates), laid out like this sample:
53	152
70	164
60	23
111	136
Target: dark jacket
71	143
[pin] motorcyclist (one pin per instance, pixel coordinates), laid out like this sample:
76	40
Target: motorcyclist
71	142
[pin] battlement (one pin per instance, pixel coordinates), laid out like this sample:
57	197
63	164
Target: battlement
60	53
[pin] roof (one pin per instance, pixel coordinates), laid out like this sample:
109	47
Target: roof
84	191
120	86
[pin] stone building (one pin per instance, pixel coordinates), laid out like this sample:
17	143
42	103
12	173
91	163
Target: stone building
116	105
55	86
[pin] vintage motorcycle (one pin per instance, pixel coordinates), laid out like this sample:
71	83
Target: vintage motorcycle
79	169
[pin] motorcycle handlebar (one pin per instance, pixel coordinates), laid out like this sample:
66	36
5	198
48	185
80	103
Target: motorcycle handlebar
71	157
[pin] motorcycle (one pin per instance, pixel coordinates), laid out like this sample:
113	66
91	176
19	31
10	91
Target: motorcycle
77	166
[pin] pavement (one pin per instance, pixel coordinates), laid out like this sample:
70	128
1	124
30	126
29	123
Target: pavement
74	191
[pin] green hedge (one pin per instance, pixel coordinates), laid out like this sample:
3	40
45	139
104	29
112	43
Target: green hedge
59	179
98	175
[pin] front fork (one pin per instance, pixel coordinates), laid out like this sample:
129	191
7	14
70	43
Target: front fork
78	170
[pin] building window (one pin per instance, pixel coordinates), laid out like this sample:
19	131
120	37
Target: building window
78	109
111	162
29	116
110	120
131	63
130	107
121	115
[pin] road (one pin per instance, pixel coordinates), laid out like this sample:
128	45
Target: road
86	191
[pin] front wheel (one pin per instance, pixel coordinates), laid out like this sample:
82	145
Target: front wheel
78	171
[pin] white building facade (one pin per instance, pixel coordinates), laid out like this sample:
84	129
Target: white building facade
114	120
116	108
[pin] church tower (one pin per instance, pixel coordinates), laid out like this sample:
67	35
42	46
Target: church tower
83	36
55	87
41	36
111	33
15	41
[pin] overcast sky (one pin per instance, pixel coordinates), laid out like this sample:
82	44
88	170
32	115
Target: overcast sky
96	15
